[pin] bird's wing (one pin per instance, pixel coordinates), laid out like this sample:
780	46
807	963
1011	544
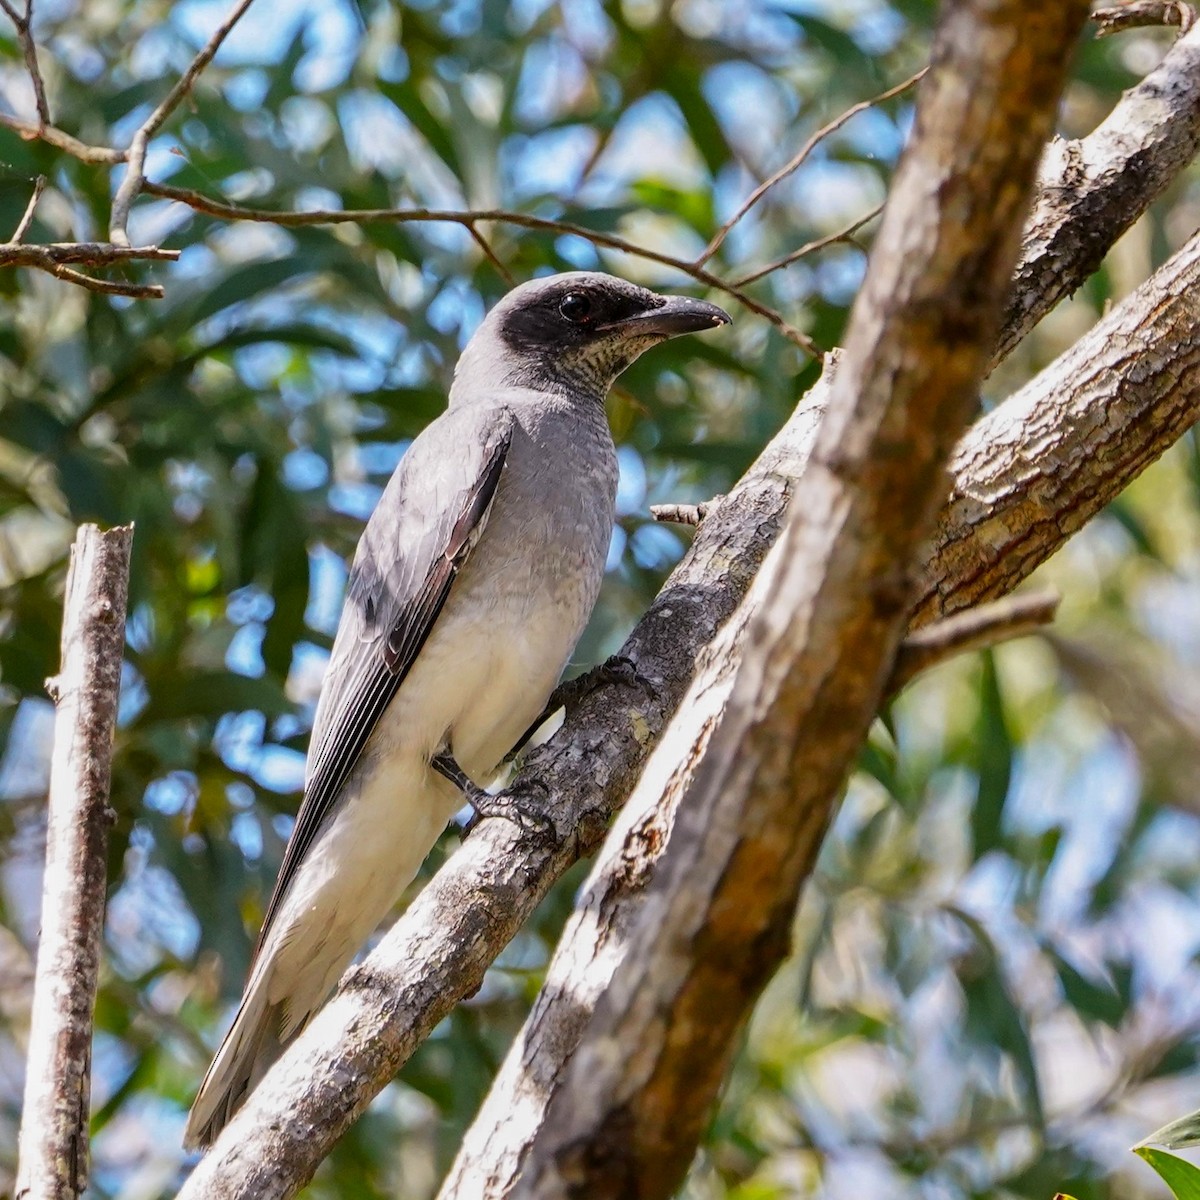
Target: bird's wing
417	540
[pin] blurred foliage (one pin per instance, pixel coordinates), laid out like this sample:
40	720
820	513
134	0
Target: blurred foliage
993	990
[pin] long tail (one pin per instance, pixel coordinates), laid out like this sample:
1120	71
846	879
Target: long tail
253	1043
349	881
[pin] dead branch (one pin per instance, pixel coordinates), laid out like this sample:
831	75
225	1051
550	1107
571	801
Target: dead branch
54	1125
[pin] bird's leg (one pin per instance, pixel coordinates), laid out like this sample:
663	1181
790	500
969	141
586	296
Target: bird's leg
508	804
568	694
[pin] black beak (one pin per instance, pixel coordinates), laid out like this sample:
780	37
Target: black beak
680	314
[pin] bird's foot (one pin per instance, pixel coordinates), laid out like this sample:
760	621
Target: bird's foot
570	693
512	804
518	806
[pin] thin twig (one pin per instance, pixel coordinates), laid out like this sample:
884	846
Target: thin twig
467	218
54	1124
106	287
491	255
971	629
61	140
24	28
830	239
799	158
1135	14
39	186
134	178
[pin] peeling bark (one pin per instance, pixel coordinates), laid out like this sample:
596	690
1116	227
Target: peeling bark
53	1149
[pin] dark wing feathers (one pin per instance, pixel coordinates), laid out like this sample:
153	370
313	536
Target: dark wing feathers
407	561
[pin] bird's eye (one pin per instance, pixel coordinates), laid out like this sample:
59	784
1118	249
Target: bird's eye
576	308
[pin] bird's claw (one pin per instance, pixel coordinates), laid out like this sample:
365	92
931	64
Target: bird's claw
517	806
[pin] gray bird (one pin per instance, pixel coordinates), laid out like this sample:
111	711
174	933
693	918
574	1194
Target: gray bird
471	585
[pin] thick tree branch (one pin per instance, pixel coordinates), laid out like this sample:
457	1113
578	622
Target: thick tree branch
1093	189
440	950
827	612
1119	397
1096	438
53	1141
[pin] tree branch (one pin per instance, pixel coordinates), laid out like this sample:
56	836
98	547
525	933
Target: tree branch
53	1140
968	630
1092	190
469	218
1135	14
1096	439
24	27
134	177
39	186
799	159
825	617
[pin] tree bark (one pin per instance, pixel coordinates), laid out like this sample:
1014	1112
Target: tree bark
1093	189
53	1160
827	612
1050	458
439	951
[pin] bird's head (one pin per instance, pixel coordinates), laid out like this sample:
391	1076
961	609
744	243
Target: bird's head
577	331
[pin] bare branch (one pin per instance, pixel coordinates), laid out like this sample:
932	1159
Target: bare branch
830	239
39	186
60	140
1092	190
87	254
53	1141
467	218
800	157
971	629
134	178
24	27
1134	14
53	259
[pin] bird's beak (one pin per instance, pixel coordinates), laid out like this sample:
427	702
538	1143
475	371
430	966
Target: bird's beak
680	314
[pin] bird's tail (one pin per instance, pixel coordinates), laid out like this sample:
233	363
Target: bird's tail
254	1041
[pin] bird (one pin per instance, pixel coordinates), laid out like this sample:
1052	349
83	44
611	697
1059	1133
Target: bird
470	587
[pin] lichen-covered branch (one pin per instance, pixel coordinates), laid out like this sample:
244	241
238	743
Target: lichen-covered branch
53	1150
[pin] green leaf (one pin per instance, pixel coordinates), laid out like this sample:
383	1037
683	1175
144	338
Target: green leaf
993	764
1180	1176
1175	1135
